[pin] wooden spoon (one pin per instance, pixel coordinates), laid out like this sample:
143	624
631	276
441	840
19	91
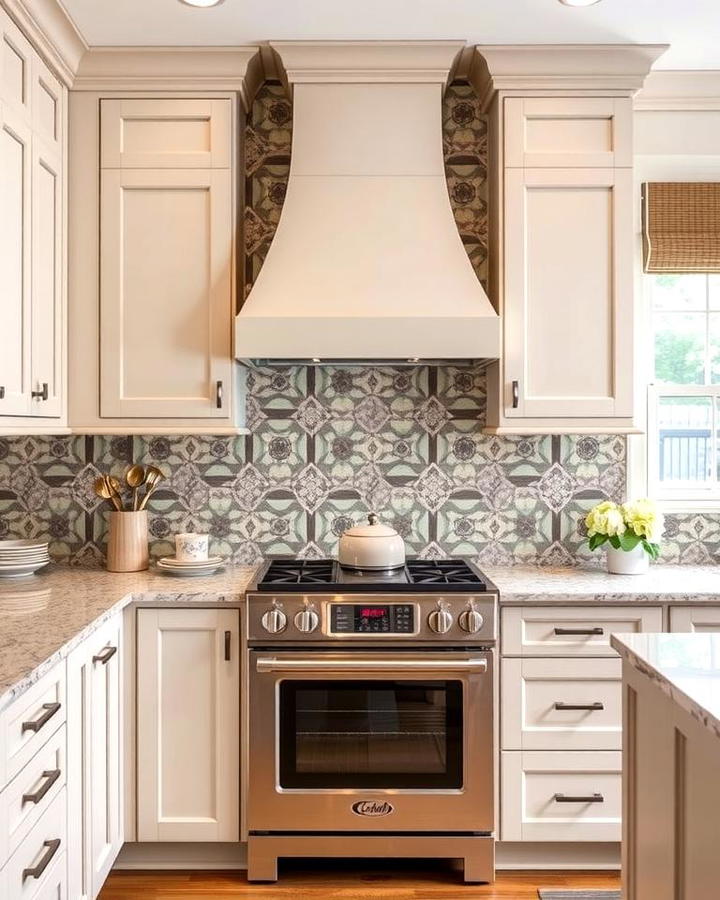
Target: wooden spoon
102	489
135	478
153	477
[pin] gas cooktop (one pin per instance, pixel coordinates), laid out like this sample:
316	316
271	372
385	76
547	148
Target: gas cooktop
309	576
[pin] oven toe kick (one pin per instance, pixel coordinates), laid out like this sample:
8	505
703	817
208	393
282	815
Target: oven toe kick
477	852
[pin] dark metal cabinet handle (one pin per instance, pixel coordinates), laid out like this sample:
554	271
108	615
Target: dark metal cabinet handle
50	776
515	394
37	724
219	394
228	638
584	631
590	798
43	394
2	392
104	656
36	871
584	706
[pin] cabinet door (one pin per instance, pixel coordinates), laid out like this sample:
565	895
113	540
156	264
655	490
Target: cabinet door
47	107
16	60
166	134
591	132
15	260
95	754
166	295
47	249
188	683
568	293
695	618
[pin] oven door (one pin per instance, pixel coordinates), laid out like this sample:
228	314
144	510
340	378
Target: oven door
371	741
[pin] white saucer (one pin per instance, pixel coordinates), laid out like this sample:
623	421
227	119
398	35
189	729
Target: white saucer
191	564
20	570
190	571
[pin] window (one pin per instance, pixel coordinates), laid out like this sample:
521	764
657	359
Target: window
684	398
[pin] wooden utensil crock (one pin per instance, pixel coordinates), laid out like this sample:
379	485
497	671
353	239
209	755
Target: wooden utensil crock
127	547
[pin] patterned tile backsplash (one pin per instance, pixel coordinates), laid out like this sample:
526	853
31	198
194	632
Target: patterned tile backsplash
327	445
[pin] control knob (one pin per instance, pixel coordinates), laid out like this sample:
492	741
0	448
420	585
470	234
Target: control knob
307	619
471	620
274	620
440	620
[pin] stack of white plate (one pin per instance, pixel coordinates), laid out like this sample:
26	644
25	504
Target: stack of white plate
20	558
172	566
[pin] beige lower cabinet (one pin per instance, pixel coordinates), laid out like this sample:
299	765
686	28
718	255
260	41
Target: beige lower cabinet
695	618
95	780
561	704
38	868
551	796
188	724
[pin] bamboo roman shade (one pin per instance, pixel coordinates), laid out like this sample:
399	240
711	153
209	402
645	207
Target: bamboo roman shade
681	226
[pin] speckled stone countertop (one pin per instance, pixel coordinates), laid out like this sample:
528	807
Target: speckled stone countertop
662	584
686	667
43	617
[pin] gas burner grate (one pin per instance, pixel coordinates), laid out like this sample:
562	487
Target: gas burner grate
442	571
300	571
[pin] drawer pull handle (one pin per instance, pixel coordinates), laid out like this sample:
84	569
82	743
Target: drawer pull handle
515	394
50	776
584	631
37	724
41	395
104	656
581	706
228	639
219	394
590	798
36	871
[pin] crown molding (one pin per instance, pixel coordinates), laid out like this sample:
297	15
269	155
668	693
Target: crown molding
620	69
367	61
681	89
50	29
172	69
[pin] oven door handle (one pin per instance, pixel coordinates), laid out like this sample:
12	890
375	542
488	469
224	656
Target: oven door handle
387	666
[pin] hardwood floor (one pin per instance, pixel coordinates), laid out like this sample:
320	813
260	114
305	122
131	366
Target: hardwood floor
333	881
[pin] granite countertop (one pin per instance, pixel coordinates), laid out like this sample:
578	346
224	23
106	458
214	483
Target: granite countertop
43	617
662	584
686	667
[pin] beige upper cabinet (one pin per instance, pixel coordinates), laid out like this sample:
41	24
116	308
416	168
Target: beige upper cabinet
166	260
31	232
564	268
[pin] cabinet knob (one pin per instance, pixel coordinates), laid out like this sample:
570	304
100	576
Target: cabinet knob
515	394
43	394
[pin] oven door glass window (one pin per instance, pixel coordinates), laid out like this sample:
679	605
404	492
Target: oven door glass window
371	734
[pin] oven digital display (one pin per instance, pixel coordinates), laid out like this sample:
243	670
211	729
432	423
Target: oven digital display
353	618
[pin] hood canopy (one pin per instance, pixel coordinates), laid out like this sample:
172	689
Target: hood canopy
367	264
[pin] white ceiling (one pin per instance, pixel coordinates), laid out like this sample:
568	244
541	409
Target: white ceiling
692	27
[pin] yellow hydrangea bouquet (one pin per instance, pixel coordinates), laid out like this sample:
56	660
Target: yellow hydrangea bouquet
624	527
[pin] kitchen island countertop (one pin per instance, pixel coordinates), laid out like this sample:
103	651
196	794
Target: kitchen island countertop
686	667
42	618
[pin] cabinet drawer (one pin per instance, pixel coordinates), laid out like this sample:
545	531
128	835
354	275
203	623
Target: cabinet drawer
561	704
31	792
695	618
572	631
28	722
555	796
30	869
585	132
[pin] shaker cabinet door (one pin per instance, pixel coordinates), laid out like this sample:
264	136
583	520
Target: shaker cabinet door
188	726
166	293
568	293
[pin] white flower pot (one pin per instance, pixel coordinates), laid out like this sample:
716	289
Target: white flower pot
627	562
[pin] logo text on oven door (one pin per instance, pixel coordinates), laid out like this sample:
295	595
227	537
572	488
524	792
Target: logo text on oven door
372	808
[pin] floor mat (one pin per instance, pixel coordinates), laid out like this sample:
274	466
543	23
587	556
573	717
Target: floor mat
552	894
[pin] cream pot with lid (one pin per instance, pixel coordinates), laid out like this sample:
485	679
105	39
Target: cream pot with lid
371	547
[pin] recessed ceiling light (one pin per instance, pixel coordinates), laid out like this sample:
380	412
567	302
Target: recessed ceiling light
579	2
201	3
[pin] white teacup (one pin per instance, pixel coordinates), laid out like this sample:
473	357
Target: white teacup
191	547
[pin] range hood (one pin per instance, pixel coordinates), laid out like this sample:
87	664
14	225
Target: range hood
367	264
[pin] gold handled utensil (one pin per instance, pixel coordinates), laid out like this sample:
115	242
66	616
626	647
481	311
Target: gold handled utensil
103	489
153	477
135	478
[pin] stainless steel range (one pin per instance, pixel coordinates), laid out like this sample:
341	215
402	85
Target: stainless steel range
371	714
